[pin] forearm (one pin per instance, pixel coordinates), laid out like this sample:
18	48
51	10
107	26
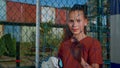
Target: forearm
89	66
84	64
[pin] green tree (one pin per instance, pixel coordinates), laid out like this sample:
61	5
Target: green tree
8	45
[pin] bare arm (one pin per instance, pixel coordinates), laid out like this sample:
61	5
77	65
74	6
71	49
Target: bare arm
86	65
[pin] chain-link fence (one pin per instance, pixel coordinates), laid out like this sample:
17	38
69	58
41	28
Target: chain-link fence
18	18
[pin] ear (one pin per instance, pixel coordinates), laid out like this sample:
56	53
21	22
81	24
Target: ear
86	22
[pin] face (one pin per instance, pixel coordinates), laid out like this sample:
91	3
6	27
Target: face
77	22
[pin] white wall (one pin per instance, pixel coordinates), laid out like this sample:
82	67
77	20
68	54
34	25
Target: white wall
2	10
115	38
48	14
27	34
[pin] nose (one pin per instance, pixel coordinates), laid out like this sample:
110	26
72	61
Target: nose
74	24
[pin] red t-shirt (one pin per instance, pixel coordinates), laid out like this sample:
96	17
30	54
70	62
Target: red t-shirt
92	53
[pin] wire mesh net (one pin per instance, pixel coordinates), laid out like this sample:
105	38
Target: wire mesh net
18	18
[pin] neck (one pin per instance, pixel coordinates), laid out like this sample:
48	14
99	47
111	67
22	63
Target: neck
79	36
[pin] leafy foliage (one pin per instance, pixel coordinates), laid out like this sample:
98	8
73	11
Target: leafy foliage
47	37
7	45
2	47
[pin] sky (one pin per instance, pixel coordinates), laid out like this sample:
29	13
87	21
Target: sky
54	3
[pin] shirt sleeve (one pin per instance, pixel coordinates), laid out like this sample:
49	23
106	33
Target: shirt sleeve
60	51
95	53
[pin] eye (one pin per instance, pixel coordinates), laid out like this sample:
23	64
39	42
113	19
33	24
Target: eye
78	20
71	21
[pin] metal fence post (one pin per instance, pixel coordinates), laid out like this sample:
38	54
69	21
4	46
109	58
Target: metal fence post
17	54
37	32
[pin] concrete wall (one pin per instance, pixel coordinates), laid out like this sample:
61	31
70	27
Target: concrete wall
115	33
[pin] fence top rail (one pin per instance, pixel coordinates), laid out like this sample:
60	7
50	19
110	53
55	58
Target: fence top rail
31	24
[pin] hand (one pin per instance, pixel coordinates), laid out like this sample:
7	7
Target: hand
85	64
82	61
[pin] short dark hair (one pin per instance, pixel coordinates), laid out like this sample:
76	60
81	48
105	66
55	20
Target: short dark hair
81	8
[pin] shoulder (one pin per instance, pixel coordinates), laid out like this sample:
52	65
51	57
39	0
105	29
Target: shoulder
66	42
92	40
95	43
63	47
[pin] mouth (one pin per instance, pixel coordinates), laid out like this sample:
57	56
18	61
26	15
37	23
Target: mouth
75	30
